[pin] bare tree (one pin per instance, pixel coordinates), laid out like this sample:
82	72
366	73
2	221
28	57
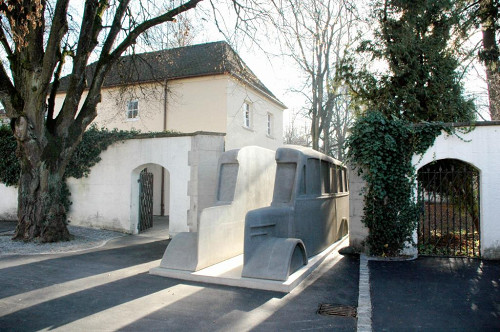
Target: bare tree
295	133
36	38
316	34
340	113
180	33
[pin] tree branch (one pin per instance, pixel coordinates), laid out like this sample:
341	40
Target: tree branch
168	16
115	27
53	91
91	26
5	43
9	96
88	112
58	30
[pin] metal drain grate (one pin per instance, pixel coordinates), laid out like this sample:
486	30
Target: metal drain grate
327	309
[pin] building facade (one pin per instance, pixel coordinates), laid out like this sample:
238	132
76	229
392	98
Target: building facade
196	88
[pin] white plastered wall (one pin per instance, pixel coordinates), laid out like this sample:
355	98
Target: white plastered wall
112	110
357	230
480	149
203	159
237	134
208	103
109	197
8	202
197	104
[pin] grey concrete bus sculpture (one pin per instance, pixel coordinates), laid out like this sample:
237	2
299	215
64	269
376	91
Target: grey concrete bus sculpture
276	208
308	213
243	184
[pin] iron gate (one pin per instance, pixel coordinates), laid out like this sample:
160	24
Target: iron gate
448	192
145	200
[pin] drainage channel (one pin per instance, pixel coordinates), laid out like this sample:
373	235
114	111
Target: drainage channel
328	309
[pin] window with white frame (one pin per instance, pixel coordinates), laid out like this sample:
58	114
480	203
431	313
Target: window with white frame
269	124
246	115
132	109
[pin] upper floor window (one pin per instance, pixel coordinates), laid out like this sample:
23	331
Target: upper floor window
132	109
246	115
269	124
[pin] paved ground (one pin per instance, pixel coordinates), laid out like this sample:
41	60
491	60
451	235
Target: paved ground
7	226
435	294
108	288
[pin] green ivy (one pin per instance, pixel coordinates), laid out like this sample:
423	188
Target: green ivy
86	155
382	149
9	164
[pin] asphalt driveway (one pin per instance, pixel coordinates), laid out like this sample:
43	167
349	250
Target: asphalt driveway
435	294
109	289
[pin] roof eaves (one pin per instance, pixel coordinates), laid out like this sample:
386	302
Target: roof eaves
259	89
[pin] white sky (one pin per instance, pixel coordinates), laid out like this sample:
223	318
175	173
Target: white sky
280	74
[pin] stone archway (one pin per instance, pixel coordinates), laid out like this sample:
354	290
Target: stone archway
449	197
477	147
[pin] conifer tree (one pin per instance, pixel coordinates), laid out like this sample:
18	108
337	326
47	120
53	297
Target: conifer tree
422	83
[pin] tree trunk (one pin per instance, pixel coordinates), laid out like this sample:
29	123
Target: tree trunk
493	79
488	13
41	214
315	131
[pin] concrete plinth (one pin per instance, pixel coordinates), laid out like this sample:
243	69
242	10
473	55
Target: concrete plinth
229	272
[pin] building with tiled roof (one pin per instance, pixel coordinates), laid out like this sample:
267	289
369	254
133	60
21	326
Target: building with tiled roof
199	88
204	87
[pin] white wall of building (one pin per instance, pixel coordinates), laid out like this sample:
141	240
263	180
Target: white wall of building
237	134
8	202
208	103
197	104
112	110
357	230
109	196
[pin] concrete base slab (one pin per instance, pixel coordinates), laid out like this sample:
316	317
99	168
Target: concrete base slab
229	272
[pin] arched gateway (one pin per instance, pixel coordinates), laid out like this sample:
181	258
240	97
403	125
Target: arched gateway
448	194
475	157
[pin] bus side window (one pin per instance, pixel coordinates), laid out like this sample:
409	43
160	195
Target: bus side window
313	177
302	181
346	180
285	179
227	182
325	177
335	187
341	184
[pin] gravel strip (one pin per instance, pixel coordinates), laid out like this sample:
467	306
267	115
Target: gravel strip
84	238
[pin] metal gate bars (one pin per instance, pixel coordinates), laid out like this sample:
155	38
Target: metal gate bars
145	200
448	192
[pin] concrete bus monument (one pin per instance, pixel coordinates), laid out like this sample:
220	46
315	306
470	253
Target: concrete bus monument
309	212
245	181
276	218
